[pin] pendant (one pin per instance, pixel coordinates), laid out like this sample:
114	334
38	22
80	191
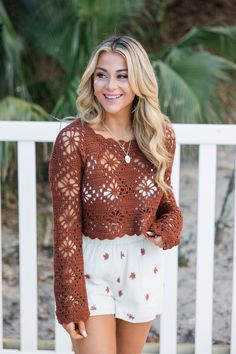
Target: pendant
127	158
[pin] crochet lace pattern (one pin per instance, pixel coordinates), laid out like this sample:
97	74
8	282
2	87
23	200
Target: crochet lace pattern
96	193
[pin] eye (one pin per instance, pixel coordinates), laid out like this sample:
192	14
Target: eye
122	76
101	75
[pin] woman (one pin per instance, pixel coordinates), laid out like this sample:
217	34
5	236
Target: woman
113	205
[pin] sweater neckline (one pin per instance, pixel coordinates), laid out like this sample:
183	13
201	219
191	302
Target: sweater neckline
102	138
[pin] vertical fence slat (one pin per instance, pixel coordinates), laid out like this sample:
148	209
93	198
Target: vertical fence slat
28	245
168	335
233	318
205	248
62	340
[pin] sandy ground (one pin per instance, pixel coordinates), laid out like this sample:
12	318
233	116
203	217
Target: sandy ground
187	264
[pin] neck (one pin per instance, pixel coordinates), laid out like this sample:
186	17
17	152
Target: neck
118	124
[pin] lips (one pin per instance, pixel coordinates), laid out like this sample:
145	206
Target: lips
112	97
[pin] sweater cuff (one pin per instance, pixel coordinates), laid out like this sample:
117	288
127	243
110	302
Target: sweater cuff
169	240
67	317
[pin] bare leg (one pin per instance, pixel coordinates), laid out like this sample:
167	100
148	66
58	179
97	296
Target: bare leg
131	337
101	330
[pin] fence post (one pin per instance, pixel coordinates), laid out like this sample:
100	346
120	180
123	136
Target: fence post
28	245
205	248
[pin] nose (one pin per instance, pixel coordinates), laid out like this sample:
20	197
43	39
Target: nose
111	83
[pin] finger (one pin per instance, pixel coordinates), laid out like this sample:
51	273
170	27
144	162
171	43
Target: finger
82	329
75	333
159	242
71	329
150	233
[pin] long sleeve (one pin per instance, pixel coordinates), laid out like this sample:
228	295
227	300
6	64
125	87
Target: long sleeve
65	171
169	218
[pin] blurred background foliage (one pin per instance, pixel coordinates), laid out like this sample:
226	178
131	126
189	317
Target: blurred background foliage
45	45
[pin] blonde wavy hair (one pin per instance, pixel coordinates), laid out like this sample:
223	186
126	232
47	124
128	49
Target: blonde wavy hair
148	123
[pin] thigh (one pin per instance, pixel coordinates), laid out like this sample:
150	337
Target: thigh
131	337
101	337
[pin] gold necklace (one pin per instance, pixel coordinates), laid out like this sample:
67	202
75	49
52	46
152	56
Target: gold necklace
127	156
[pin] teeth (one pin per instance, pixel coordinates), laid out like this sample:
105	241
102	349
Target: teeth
112	97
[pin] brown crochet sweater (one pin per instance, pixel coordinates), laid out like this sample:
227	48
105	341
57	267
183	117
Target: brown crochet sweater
95	192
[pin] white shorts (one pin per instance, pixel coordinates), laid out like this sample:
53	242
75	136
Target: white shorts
124	277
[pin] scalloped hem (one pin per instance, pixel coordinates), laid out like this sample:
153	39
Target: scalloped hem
123	239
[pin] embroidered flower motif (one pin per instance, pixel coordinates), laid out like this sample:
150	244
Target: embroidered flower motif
93	308
69	275
109	161
106	256
69	186
87	276
122	254
68	217
67	248
132	275
70	141
130	316
142	250
120	292
146	188
112	191
155	270
107	289
118	280
147	296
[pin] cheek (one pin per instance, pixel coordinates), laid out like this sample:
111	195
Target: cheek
97	85
129	90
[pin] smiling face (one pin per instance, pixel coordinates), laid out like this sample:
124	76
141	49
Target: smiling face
111	84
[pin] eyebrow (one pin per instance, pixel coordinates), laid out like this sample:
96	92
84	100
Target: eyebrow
100	68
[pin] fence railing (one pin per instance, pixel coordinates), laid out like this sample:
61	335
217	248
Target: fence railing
26	134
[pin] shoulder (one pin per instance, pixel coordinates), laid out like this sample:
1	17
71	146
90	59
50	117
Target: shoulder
71	138
74	128
72	133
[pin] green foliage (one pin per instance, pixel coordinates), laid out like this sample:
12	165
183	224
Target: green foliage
187	73
219	39
188	85
13	108
69	36
12	49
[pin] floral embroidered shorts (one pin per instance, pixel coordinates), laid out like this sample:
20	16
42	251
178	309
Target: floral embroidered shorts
124	277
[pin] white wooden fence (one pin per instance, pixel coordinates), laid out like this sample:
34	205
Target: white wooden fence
207	137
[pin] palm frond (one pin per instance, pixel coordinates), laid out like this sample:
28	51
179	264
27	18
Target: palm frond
220	39
12	80
69	35
12	108
188	85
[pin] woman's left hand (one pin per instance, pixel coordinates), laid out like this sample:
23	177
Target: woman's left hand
156	240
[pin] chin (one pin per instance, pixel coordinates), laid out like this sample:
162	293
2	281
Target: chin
112	111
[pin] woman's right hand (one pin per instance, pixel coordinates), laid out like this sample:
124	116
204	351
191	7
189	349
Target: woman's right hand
76	330
156	239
